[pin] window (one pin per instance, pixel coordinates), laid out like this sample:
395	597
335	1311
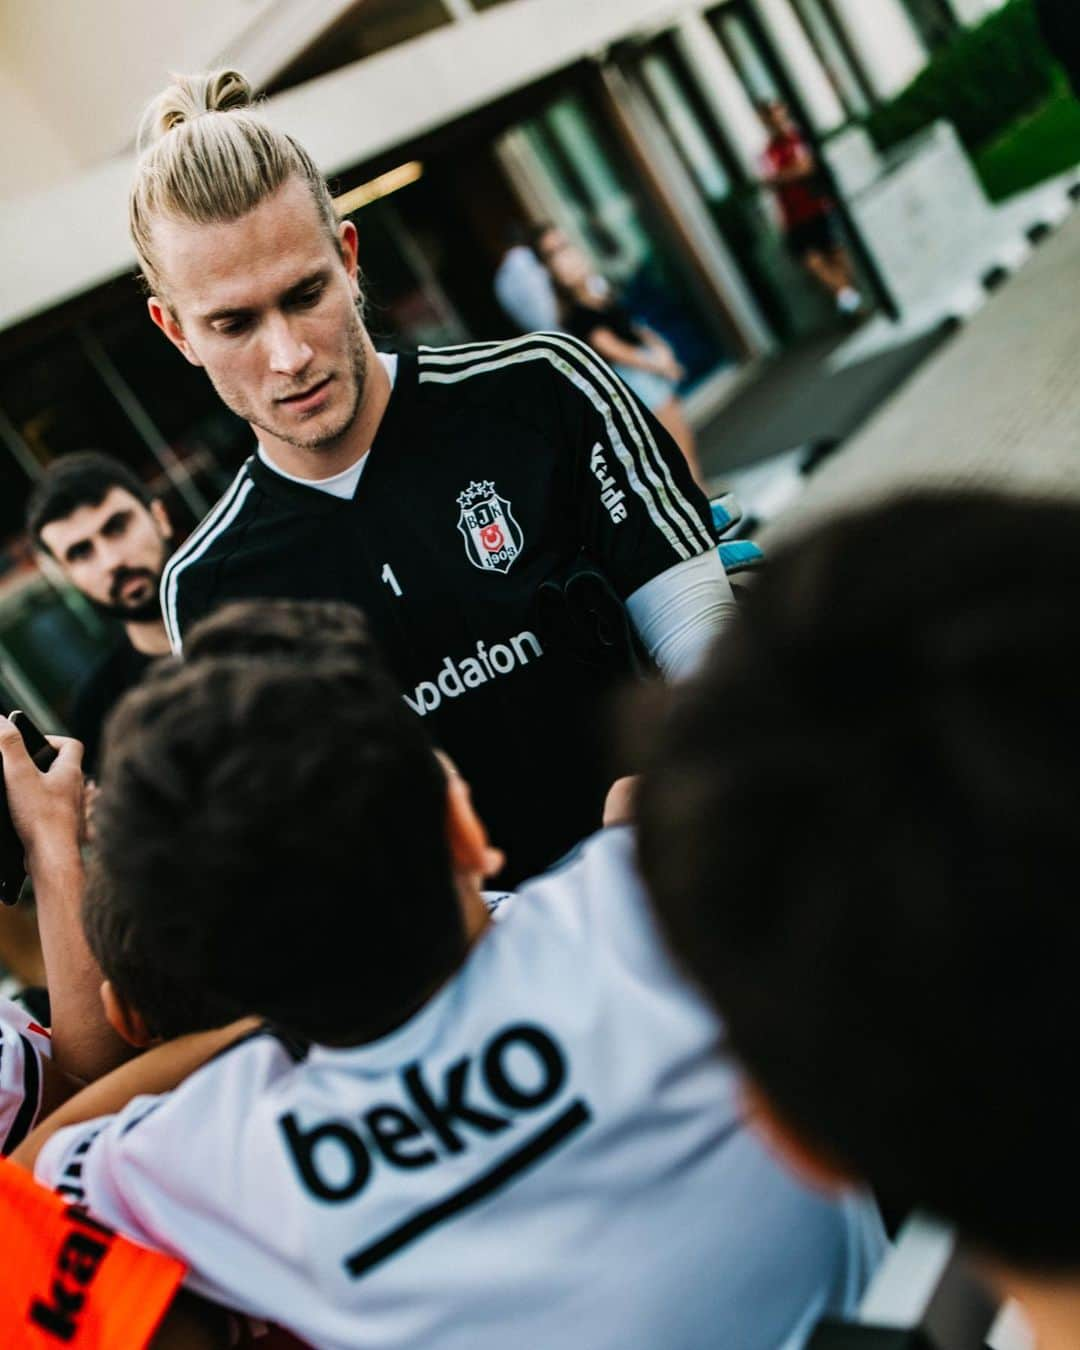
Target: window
761	72
755	68
828	41
54	400
580	169
673	99
739	209
934	20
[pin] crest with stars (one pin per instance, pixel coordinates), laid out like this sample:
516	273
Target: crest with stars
493	538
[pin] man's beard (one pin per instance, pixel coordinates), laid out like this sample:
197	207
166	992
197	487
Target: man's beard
328	437
144	611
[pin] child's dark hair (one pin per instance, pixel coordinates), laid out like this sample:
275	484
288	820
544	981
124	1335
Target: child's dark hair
860	830
270	833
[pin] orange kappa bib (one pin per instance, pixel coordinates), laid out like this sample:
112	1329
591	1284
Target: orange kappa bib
66	1280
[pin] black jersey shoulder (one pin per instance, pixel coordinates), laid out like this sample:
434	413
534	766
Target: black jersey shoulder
95	698
219	534
610	438
537	379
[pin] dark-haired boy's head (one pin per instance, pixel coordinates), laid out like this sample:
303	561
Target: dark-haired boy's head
294	628
860	829
273	833
111	540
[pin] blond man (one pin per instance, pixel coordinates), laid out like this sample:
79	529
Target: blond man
513	522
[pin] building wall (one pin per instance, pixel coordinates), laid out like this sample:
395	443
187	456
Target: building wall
974	11
61	58
33	152
111	57
464	98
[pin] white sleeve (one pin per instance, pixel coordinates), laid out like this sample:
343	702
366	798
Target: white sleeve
23	1045
163	1172
197	1173
678	613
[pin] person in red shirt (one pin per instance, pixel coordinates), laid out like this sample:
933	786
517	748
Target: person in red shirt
808	212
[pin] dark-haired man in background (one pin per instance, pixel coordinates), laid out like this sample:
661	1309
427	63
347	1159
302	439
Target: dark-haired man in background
110	539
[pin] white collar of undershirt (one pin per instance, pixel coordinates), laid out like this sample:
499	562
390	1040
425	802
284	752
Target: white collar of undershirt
341	484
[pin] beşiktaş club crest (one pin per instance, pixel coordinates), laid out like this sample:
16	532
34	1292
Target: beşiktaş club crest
492	536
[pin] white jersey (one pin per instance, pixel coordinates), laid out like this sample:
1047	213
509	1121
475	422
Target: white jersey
549	1153
23	1046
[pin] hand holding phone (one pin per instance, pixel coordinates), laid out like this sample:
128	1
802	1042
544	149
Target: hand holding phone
12	869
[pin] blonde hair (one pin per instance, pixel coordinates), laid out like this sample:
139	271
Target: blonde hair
205	156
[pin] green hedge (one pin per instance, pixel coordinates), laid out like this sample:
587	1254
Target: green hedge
1033	148
982	81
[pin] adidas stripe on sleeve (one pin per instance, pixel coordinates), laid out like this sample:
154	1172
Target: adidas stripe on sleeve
216	522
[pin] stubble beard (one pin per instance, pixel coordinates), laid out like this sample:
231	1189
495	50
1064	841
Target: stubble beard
327	438
146	611
141	611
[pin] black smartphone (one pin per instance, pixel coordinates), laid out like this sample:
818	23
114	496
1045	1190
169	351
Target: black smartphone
12	871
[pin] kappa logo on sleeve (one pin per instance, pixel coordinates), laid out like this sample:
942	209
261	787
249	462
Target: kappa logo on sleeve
519	1072
611	495
493	538
81	1254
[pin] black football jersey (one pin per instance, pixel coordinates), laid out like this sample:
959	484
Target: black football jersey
498	471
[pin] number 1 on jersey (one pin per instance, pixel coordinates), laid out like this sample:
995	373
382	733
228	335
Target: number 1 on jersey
391	580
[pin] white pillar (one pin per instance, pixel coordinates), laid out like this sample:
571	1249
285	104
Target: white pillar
884	40
721	88
968	11
971	12
799	59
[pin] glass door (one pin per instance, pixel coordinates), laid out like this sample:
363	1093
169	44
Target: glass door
406	305
738	207
935	21
836	57
591	188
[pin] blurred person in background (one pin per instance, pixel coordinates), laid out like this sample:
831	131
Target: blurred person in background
639	356
809	215
110	539
446	493
524	288
879	762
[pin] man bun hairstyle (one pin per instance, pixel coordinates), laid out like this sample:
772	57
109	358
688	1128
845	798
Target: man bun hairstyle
189	97
206	156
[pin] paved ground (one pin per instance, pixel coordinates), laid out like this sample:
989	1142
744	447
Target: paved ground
807	395
998	406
